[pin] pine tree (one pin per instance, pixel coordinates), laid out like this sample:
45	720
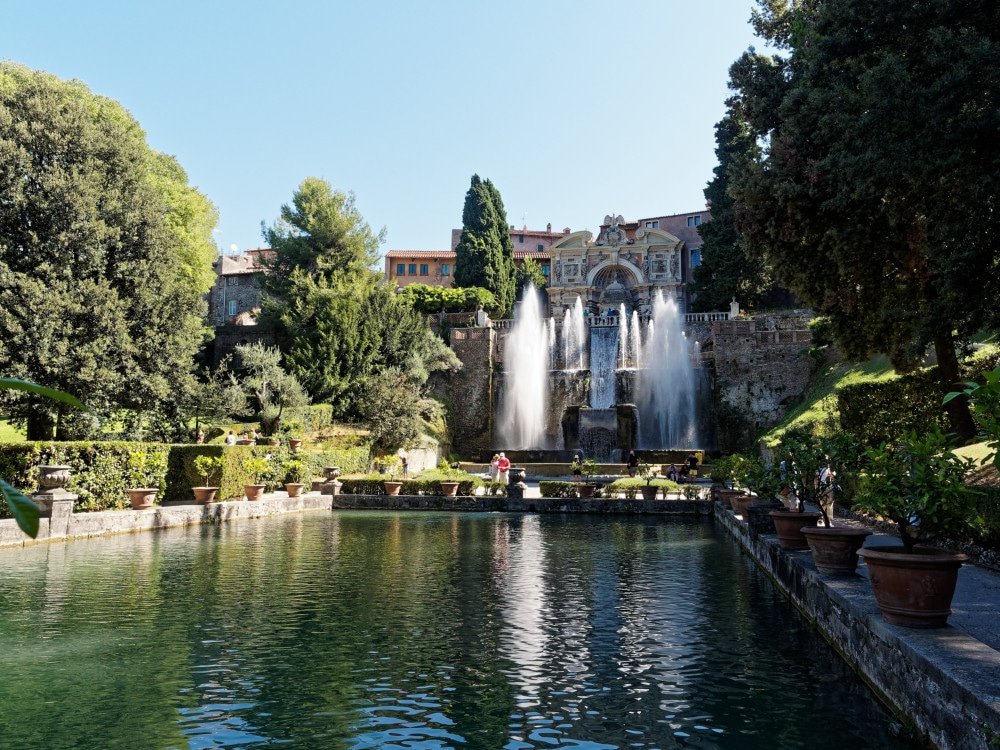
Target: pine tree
485	252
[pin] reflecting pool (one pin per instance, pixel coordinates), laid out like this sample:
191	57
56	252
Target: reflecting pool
395	630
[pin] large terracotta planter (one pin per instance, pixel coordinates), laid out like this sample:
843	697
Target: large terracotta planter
294	444
913	590
741	505
789	525
726	496
254	491
204	495
449	489
585	490
392	488
835	550
649	492
142	497
294	489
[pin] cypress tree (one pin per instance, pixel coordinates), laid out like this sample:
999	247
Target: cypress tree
485	253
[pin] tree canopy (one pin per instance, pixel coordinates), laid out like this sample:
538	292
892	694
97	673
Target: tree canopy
105	252
874	189
485	252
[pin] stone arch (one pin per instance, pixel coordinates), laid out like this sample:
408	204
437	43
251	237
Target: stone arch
628	269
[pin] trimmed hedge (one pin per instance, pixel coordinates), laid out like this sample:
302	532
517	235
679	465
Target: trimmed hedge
181	476
881	412
428	484
557	489
632	485
350	460
312	418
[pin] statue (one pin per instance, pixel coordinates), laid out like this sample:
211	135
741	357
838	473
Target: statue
675	268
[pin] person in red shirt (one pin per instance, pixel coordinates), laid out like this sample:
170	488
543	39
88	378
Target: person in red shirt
503	467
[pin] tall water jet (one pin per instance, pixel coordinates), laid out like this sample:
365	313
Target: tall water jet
573	332
603	361
635	339
552	343
526	358
666	392
622	337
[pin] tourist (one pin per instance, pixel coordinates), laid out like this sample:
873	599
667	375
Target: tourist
577	467
199	436
632	463
672	473
231	438
503	469
684	473
405	465
493	467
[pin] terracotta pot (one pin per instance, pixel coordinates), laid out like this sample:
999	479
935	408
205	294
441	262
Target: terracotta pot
204	495
449	489
244	441
741	505
142	497
835	550
253	491
913	590
726	496
294	489
392	488
789	526
649	492
585	490
317	485
294	443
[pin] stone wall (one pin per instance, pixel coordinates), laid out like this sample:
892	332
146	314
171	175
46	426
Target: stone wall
470	390
761	367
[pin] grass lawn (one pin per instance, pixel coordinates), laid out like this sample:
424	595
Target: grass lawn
9	433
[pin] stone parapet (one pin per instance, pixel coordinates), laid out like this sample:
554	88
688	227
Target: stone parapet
486	504
944	682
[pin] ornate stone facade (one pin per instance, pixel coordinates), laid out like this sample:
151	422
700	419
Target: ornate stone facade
615	268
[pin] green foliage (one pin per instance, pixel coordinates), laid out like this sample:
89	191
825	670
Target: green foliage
552	488
432	299
873	184
105	255
296	472
392	412
234	474
350	460
985	399
495	489
485	253
631	483
213	397
271	389
919	484
258	468
365	484
528	273
208	467
821	328
878	412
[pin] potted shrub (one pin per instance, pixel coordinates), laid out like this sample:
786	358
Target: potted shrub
391	486
449	487
257	468
208	468
140	497
294	443
650	490
920	485
296	474
586	489
801	458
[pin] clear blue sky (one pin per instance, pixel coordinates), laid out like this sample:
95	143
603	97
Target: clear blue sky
573	108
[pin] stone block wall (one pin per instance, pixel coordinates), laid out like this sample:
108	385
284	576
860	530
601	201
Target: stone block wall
470	390
761	367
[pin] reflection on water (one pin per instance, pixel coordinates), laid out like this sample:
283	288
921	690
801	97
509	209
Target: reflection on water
381	630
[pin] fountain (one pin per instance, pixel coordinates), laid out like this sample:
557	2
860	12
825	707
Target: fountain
527	360
574	335
666	384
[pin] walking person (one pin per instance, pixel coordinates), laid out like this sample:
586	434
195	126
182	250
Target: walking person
632	463
503	469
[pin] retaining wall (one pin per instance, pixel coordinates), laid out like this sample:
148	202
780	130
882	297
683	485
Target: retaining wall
945	683
483	504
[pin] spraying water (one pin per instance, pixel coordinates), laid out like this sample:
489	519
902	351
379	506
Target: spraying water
635	340
526	358
622	337
573	332
603	360
666	390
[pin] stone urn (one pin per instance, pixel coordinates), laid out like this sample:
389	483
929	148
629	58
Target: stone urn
331	473
789	525
913	589
53	477
392	488
835	549
449	489
294	489
254	491
585	491
204	495
142	497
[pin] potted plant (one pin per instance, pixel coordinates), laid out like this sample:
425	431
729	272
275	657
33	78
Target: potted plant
449	487
296	474
920	485
586	489
257	468
208	468
801	458
392	487
294	443
140	497
649	490
691	492
743	471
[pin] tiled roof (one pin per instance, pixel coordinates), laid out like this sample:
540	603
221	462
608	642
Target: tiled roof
536	254
420	254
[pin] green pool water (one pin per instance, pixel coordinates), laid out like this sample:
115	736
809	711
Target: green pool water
385	630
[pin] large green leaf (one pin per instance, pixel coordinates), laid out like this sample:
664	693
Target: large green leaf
41	390
25	512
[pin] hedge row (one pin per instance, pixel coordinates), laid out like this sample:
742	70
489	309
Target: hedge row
309	419
429	484
555	488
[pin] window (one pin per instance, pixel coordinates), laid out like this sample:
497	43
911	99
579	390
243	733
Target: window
231	308
520	238
445	269
423	269
694	221
232	281
541	247
695	257
652	225
401	269
413	269
545	271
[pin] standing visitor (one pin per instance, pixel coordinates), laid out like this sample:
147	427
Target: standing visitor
231	438
406	465
632	463
577	467
493	467
503	468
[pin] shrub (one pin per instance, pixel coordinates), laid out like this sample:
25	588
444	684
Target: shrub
296	472
208	467
879	412
365	484
350	460
631	485
234	474
308	419
432	299
495	489
557	489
